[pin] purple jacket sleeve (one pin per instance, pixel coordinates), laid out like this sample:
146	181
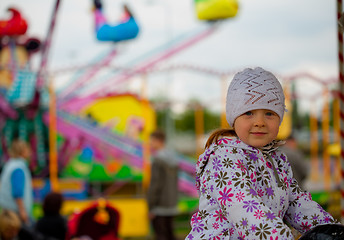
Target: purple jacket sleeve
303	213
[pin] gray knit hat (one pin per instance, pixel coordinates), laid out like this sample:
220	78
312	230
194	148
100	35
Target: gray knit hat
253	89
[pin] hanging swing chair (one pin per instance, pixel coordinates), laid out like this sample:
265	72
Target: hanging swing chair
126	29
216	9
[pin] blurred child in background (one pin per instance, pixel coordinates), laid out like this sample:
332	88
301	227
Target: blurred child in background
10	225
52	224
16	192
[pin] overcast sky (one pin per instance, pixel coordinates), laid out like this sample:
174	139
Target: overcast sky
284	37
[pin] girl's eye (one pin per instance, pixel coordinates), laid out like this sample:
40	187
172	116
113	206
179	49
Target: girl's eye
270	113
249	113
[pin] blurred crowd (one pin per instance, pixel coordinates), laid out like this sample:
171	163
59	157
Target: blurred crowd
100	220
16	202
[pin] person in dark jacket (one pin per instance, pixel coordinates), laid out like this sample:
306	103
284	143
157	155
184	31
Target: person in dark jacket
52	224
163	189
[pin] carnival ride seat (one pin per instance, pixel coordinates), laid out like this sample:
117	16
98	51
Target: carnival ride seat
126	29
214	10
14	26
100	221
123	31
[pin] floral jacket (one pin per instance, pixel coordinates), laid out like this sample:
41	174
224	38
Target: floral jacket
248	193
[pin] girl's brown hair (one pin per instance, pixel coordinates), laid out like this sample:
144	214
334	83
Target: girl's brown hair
224	132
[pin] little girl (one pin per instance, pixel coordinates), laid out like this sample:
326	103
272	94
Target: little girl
246	186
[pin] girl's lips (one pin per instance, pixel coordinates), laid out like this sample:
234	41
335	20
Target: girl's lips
258	133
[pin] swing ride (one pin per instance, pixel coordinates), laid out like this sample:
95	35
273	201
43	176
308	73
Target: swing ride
93	145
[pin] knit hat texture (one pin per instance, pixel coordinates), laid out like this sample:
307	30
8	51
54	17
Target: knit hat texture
253	89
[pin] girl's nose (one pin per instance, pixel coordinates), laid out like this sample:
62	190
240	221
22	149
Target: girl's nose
259	121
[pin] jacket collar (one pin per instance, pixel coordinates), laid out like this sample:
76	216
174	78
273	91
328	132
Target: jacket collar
237	143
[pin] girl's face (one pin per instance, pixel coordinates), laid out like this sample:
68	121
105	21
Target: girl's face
257	127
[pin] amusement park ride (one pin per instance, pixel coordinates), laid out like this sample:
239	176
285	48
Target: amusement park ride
77	143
